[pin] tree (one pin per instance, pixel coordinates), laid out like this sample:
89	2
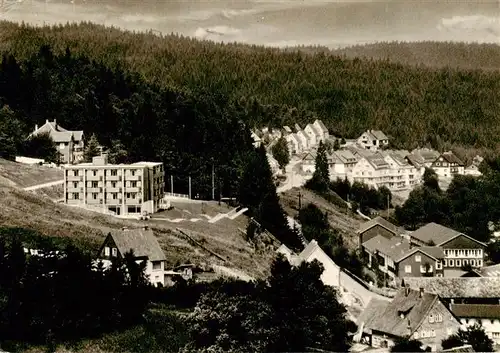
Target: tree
336	145
280	152
321	176
11	130
258	193
92	149
117	153
407	345
493	251
431	180
41	146
473	335
306	312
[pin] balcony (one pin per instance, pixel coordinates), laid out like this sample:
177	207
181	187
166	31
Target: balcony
132	177
91	190
113	189
132	189
91	177
113	201
113	177
74	178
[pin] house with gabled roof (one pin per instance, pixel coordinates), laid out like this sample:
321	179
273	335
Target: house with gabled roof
341	163
304	140
273	164
378	226
257	141
373	140
424	156
287	130
373	171
322	129
145	246
69	144
413	314
294	144
459	248
486	315
314	135
309	162
403	174
447	165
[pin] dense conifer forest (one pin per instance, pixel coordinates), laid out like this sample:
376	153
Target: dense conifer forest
414	105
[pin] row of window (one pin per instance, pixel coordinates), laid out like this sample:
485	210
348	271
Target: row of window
94	172
463	253
435	318
109	196
424	334
108	251
464	262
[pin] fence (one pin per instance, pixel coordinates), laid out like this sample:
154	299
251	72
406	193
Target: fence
171	194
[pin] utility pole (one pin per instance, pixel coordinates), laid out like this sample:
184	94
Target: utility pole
213	181
300	201
172	184
189	181
388	205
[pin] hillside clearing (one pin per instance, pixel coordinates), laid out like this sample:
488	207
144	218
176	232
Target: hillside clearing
342	219
23	175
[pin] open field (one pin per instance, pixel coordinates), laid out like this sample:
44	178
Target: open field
29	210
23	175
343	220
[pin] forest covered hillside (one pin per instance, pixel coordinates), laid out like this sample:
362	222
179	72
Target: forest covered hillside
414	105
469	56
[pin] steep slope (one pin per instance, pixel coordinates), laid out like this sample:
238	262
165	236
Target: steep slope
343	220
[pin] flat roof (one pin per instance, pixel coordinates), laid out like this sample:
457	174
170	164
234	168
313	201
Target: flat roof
109	165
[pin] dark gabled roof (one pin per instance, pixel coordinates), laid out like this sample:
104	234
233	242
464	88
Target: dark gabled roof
434	232
425	154
142	241
379	135
377	161
467	348
394	248
310	156
435	252
381	222
415	160
458	287
477	311
451	158
438	234
387	318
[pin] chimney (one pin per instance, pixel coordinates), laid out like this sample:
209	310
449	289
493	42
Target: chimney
403	283
46	121
55	123
421	292
408	328
36	127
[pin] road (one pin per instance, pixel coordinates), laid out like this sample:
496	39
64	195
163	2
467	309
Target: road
45	185
293	177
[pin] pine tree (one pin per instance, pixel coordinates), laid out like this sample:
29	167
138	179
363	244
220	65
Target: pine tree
321	176
258	193
92	149
117	153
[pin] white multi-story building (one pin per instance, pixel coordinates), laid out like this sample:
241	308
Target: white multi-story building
123	189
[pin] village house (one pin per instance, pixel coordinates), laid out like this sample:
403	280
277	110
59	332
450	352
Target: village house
373	140
122	189
314	135
377	226
69	143
373	171
459	249
472	170
403	174
447	165
257	141
318	124
309	162
294	144
304	140
287	130
341	163
413	314
273	163
145	247
486	315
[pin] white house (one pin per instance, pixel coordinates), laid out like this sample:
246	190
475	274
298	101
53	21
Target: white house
373	140
273	163
447	165
309	163
472	170
293	143
341	163
304	140
402	175
313	136
257	141
318	124
287	130
373	171
487	315
145	247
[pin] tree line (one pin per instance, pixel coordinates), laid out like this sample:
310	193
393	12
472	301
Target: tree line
276	87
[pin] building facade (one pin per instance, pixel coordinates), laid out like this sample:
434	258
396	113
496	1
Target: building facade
145	247
486	315
69	144
373	140
447	165
123	189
